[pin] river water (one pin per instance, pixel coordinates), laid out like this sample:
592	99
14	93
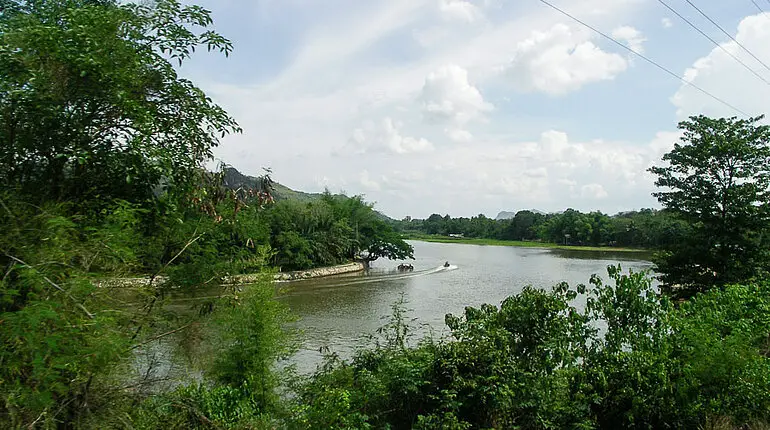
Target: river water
339	312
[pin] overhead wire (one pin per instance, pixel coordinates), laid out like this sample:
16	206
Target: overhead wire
758	6
719	45
642	56
728	34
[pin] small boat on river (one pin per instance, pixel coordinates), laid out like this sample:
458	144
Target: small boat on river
405	268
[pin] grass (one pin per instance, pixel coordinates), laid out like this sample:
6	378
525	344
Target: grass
519	243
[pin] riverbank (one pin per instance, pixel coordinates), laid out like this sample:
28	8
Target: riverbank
311	273
519	243
297	275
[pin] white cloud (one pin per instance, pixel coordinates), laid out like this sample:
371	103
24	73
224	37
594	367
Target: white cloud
448	97
458	135
551	173
367	182
337	66
430	36
664	142
722	76
399	180
459	10
666	23
593	191
610	161
631	36
540	172
384	136
561	60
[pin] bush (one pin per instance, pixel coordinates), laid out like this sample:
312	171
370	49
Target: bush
60	337
628	359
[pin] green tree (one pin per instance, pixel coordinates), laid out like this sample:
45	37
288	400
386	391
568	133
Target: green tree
373	237
716	180
523	225
91	106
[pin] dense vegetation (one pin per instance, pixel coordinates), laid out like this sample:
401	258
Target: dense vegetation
717	182
628	359
646	228
330	230
101	148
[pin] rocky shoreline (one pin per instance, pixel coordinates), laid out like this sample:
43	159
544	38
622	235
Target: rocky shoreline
319	272
247	279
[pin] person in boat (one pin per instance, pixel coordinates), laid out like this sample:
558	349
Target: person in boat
446	264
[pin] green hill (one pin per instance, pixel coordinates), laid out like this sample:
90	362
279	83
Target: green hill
235	179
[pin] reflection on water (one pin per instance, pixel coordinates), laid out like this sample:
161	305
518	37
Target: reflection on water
338	312
618	256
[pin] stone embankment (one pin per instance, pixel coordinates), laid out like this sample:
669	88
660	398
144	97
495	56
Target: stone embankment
320	272
246	279
303	274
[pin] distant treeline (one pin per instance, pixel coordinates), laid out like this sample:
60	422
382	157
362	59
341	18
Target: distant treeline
646	228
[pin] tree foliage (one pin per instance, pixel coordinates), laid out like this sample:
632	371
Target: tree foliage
91	105
331	230
716	180
645	228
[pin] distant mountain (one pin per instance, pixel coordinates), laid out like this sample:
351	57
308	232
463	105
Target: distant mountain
508	215
235	179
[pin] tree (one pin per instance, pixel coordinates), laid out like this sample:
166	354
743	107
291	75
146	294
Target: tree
92	111
717	180
91	106
374	238
382	242
523	224
434	224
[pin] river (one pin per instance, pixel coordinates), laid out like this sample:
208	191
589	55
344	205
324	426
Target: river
338	312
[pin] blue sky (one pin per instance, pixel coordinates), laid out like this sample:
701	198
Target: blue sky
467	107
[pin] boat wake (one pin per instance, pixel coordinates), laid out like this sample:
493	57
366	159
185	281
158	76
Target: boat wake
389	277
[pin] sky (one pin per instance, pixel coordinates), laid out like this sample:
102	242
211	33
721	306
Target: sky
468	107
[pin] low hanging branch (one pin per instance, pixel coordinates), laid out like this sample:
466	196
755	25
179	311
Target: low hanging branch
184	248
162	335
53	284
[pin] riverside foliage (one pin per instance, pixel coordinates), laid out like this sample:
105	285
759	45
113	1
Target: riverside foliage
645	228
101	147
101	144
629	359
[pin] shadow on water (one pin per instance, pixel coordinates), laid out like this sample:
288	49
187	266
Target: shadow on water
619	256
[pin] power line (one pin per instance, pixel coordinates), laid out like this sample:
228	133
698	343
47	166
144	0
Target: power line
714	42
758	6
611	39
728	34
